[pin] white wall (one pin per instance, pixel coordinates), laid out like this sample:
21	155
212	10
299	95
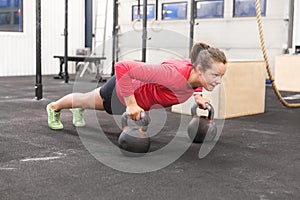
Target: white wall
99	22
103	24
18	49
53	16
238	37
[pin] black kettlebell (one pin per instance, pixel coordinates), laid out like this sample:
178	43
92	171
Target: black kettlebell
134	141
203	126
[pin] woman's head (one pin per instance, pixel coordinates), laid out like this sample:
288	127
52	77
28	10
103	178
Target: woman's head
209	66
204	55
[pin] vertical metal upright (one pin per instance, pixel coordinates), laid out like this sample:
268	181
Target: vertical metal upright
88	23
38	84
144	36
115	35
291	24
192	23
66	43
104	28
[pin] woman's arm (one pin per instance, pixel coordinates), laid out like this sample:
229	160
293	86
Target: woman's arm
133	110
200	100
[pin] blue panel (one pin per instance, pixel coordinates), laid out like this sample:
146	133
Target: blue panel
174	10
11	15
4	18
4	3
210	9
17	3
246	8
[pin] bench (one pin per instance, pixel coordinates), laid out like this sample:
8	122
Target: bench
80	58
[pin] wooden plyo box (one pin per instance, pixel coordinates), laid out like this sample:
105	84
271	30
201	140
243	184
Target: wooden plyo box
287	70
241	93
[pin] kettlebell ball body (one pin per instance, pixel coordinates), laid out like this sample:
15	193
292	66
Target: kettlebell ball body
134	141
199	129
202	127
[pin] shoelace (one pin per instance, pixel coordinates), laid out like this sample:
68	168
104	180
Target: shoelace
56	116
78	115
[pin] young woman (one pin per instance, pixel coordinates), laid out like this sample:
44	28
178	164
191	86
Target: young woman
139	87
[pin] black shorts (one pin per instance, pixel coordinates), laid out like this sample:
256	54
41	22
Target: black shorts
111	102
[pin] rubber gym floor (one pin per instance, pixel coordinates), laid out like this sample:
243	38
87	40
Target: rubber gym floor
256	157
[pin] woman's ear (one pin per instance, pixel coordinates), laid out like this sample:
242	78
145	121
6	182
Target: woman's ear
198	68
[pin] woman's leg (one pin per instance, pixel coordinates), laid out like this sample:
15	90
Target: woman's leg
89	100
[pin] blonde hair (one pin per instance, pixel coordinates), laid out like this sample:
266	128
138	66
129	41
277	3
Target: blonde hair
204	55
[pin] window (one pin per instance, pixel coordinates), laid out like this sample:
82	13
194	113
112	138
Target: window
246	8
210	9
11	15
150	12
176	10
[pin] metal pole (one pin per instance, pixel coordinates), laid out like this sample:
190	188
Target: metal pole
291	24
156	10
88	23
94	34
66	43
38	85
144	36
104	28
114	35
192	23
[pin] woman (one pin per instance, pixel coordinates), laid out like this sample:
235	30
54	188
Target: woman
139	87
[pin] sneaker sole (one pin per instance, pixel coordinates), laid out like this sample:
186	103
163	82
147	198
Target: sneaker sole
56	128
79	125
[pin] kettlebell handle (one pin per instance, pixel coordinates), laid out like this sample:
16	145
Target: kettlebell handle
209	108
144	118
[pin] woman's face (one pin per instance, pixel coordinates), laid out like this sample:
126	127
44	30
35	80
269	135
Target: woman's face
212	76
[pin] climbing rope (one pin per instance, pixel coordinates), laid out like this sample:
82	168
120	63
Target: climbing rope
263	48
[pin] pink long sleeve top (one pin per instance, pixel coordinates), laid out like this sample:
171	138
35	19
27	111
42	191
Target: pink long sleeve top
153	85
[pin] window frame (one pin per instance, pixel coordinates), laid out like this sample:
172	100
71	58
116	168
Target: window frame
263	10
13	7
170	3
210	17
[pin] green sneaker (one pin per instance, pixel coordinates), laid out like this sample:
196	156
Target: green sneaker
54	118
78	120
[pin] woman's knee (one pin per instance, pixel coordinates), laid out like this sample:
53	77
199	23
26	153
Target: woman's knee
93	100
